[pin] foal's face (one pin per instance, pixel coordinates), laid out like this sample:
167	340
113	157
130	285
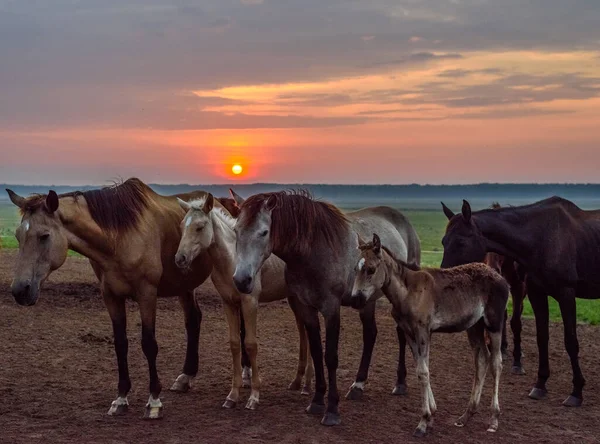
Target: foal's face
196	232
253	247
369	273
43	248
463	242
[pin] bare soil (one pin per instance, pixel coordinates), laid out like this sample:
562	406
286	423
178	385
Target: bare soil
58	376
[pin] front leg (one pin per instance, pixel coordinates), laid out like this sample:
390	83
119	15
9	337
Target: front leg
539	303
567	302
249	309
332	337
233	322
193	319
400	388
367	318
147	295
118	316
420	349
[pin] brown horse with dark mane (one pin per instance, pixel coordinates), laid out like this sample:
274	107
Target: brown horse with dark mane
513	273
558	244
130	234
318	244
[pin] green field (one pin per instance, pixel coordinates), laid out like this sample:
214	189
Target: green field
430	224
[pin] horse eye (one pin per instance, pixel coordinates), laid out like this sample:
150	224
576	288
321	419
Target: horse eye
264	233
371	270
199	229
44	237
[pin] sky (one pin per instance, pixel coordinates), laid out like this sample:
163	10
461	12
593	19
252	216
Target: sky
299	91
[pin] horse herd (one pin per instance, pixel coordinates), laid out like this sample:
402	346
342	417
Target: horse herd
271	246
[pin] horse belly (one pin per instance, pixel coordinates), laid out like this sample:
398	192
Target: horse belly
455	323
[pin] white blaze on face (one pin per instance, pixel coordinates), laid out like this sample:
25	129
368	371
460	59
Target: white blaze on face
188	221
26	226
361	263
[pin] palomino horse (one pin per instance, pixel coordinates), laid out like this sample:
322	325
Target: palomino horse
558	244
130	235
318	244
513	273
470	297
206	229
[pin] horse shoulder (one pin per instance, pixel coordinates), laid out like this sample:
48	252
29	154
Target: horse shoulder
421	294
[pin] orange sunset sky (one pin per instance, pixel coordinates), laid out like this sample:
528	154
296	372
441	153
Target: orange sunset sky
302	91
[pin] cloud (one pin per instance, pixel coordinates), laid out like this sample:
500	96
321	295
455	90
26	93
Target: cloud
419	57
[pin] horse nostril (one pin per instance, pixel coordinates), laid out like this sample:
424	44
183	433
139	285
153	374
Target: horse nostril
180	259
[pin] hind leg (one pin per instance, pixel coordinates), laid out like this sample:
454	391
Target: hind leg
246	365
367	318
420	349
233	322
566	302
517	289
249	309
496	367
304	361
400	388
480	355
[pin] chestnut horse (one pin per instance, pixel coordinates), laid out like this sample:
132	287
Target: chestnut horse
130	235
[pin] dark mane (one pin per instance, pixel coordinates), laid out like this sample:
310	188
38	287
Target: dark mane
114	208
230	206
298	222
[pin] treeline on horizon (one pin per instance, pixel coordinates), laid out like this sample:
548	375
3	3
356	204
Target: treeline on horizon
422	196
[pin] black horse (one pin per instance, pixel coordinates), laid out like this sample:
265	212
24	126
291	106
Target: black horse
558	244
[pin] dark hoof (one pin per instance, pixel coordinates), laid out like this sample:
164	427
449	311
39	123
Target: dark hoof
118	410
153	412
229	404
573	401
538	394
354	394
418	433
305	391
315	409
517	370
295	385
400	390
331	419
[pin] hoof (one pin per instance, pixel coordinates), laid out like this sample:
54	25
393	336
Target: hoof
305	391
354	394
492	429
462	421
538	394
252	404
400	390
117	409
229	404
153	412
182	384
573	401
315	409
517	370
331	419
419	433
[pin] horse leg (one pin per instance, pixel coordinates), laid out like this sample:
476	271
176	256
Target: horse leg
193	319
517	289
233	322
496	366
147	302
504	344
313	331
246	369
480	353
400	388
303	364
249	309
539	303
332	338
367	318
118	316
567	305
420	347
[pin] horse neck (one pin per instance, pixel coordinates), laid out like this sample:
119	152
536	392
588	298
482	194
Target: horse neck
222	247
394	286
507	234
84	236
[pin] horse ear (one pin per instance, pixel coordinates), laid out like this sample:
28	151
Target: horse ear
376	244
271	202
209	203
183	204
239	200
447	211
15	198
52	201
466	210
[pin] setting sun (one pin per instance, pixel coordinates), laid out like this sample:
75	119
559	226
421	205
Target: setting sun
237	169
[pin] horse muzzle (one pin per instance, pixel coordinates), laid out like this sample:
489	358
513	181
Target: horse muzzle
243	282
358	301
24	292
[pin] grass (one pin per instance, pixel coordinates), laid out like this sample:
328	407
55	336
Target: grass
430	224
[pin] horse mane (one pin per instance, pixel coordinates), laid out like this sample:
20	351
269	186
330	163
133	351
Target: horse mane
411	266
298	221
115	208
228	219
230	205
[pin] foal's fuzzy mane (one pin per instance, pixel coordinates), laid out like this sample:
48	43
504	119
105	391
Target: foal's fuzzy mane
299	223
198	205
115	208
411	266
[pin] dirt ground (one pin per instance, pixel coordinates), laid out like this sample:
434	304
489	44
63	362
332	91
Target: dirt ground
58	376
